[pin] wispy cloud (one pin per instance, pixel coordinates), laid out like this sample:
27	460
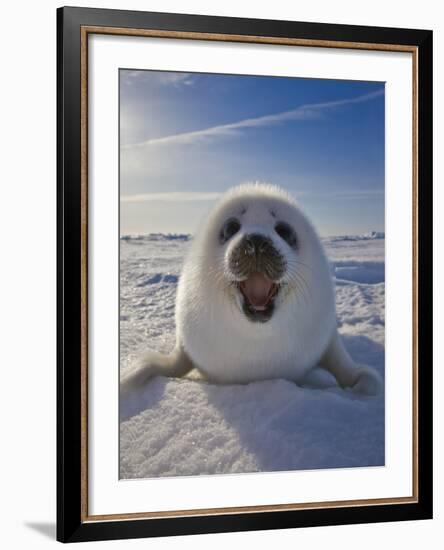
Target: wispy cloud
185	196
350	193
303	112
165	78
193	196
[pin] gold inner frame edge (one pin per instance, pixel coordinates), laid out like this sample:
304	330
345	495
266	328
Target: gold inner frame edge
85	32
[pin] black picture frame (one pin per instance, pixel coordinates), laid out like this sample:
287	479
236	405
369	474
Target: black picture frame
73	523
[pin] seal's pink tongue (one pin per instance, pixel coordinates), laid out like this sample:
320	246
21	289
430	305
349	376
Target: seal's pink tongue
257	289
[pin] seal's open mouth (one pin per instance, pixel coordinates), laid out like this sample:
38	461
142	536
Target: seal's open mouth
259	293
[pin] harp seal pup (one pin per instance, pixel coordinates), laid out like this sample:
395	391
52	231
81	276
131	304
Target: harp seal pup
255	300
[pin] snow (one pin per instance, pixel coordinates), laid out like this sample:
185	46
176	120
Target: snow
189	427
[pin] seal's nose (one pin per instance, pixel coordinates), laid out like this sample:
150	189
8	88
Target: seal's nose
256	243
256	253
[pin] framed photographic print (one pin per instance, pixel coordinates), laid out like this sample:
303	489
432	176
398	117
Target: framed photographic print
244	274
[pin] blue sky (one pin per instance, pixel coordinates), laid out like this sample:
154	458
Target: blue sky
185	138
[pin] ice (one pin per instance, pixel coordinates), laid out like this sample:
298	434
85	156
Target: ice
178	427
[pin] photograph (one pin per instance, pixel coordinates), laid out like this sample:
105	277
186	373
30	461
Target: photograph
218	296
244	274
251	274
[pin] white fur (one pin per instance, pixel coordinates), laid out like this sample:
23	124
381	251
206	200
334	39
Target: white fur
211	326
217	337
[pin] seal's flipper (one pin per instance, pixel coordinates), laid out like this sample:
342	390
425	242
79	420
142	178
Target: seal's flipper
361	379
174	365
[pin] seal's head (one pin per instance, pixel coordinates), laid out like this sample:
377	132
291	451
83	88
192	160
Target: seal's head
259	250
265	246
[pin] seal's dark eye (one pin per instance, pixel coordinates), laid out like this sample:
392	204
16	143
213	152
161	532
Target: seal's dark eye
286	233
230	228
